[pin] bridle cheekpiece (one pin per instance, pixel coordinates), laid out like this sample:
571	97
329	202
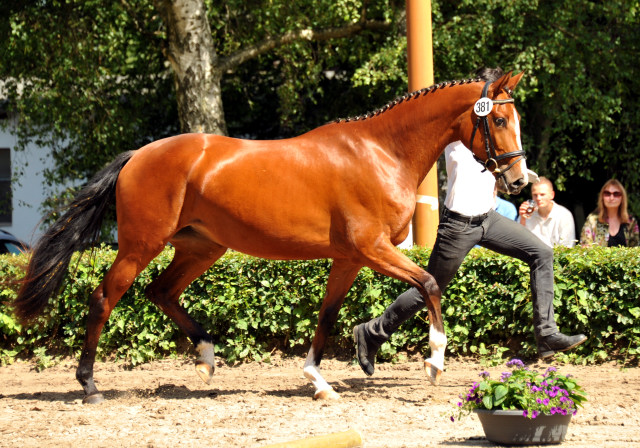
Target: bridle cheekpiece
482	109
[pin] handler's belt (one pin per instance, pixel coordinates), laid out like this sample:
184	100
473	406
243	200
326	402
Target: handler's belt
477	219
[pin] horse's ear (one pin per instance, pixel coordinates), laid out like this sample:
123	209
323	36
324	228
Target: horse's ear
500	84
506	82
513	82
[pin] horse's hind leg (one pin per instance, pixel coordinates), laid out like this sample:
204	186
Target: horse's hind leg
340	280
191	259
124	270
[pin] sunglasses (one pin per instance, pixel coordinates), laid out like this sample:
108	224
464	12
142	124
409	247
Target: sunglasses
615	194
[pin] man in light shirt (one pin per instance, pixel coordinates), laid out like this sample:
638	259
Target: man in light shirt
549	221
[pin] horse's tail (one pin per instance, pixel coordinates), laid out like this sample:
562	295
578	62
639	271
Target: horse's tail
78	227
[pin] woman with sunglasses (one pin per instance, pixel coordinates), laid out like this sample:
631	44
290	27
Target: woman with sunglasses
610	224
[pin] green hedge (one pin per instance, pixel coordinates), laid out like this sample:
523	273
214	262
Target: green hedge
252	306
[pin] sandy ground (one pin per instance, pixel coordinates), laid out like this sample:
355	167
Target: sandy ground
165	404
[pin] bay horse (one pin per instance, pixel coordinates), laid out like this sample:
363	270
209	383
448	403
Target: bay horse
344	191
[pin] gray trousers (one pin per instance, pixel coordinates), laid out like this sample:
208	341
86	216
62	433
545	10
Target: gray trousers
454	241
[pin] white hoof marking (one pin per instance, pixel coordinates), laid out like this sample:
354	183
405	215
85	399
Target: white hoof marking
323	389
206	363
435	365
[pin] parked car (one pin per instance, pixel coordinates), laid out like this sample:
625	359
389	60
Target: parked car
9	244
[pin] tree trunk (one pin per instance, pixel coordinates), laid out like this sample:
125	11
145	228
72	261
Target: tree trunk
198	69
193	59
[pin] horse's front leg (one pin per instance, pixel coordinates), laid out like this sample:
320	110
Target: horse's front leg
434	366
341	278
387	260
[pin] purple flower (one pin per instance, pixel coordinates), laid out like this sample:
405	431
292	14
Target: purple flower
515	362
505	376
554	391
538	393
452	419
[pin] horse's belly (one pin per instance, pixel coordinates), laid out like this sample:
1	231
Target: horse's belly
265	230
280	242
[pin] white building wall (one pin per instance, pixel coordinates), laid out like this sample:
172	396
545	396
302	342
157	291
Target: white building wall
28	190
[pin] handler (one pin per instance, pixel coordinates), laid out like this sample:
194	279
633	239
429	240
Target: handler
468	218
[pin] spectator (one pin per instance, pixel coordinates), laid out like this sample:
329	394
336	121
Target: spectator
610	224
549	221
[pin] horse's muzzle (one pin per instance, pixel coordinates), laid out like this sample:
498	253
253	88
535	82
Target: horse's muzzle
516	186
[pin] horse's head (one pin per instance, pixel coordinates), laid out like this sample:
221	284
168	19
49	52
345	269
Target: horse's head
497	144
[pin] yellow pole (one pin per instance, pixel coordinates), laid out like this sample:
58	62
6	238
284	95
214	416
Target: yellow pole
346	439
420	57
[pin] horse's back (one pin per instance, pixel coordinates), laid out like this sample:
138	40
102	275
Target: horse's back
248	195
289	199
272	199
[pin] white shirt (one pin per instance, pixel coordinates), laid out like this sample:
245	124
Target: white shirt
469	189
469	185
557	229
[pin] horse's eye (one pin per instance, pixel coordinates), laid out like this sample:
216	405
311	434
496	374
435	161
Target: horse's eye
500	122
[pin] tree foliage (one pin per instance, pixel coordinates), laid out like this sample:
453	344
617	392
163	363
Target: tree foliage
84	79
91	79
578	101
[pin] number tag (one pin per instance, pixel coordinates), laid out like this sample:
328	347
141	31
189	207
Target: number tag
483	107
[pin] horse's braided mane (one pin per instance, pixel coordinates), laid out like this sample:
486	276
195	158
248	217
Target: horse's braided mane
407	96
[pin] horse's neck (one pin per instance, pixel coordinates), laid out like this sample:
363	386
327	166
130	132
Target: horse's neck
416	130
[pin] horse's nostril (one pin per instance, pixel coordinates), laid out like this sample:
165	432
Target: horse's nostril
517	186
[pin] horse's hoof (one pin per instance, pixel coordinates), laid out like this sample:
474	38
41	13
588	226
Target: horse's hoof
433	373
205	371
326	394
93	399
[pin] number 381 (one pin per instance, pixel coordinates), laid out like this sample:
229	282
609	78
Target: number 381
482	107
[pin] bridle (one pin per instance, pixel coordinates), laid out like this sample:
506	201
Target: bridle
483	108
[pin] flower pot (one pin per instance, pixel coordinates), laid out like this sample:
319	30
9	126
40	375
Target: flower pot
511	428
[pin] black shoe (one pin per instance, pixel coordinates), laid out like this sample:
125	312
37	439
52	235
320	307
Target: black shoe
558	342
365	350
